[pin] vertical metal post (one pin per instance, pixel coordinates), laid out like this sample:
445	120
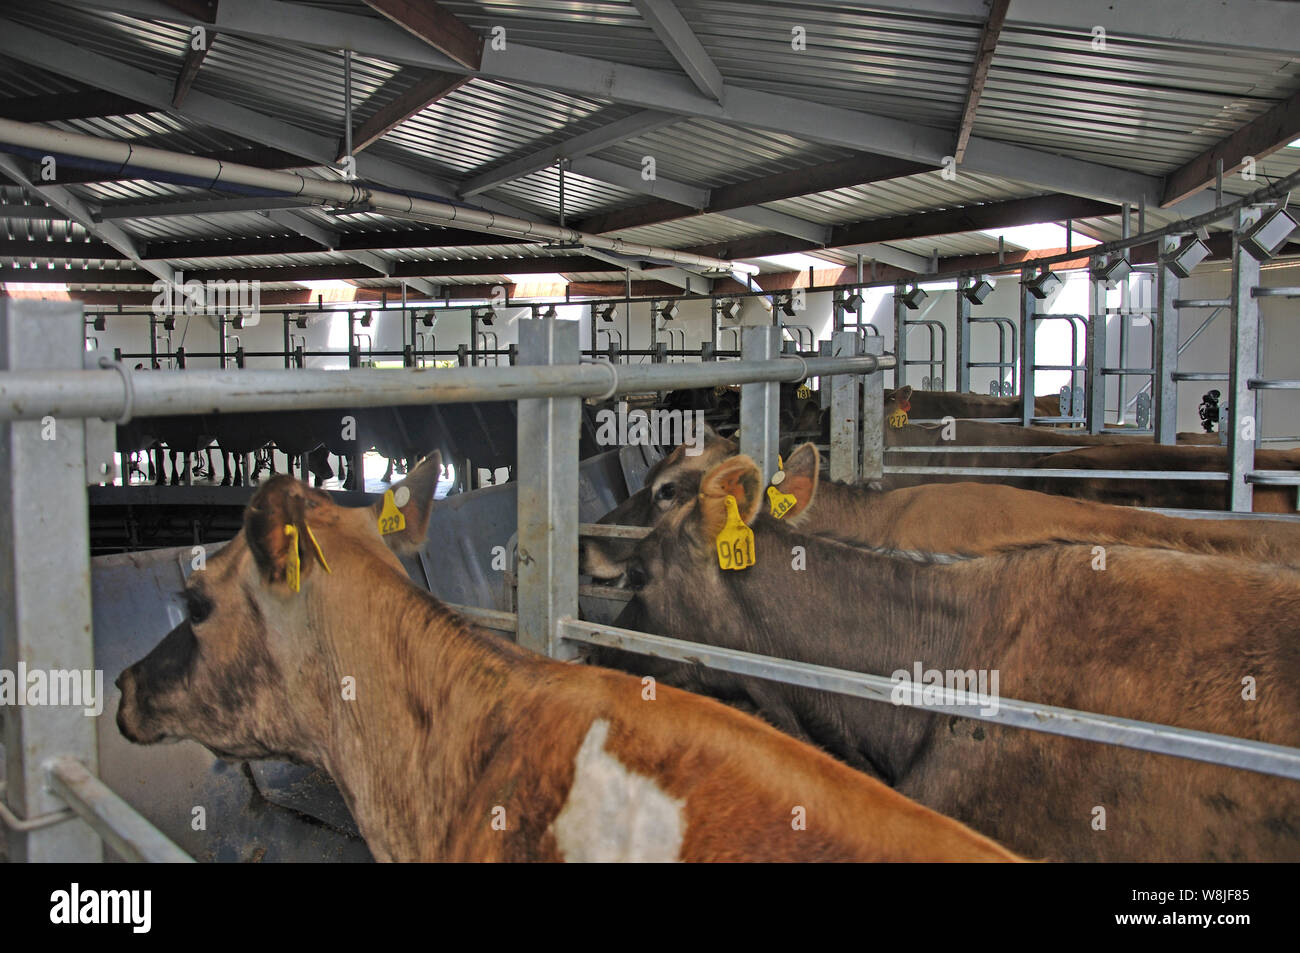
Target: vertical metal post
44	580
873	416
1242	403
900	337
548	497
1165	348
1095	381
713	325
846	395
760	404
963	339
1028	329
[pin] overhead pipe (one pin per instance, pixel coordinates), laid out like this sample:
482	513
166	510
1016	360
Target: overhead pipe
217	175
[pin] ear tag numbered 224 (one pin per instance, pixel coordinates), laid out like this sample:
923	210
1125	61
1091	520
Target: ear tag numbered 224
736	541
391	519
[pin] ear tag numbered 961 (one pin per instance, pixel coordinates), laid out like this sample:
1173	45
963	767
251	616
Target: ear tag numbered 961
736	541
391	519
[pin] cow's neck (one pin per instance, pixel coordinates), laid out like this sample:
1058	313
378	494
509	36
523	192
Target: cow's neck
882	614
431	703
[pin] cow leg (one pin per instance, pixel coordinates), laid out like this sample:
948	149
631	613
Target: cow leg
388	472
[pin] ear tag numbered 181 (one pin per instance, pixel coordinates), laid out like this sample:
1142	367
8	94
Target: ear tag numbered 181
782	503
736	541
391	519
293	567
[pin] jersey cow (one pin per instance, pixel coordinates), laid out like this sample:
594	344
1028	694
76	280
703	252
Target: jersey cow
972	518
1132	639
306	640
1186	494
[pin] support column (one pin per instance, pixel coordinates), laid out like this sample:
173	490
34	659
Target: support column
846	395
760	404
44	580
873	417
1164	389
963	340
1243	411
1095	383
548	493
1028	327
900	336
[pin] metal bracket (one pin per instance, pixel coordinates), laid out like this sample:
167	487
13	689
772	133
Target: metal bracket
22	825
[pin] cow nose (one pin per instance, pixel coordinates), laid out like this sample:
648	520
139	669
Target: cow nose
120	678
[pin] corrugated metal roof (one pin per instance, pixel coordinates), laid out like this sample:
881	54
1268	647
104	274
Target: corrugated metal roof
1146	105
1142	104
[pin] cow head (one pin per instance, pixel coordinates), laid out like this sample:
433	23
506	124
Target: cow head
680	553
669	485
246	672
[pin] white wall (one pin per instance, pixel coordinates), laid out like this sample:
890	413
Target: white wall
1280	415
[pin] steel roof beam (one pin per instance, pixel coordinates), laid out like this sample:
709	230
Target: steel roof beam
59	107
696	197
1258	138
71	206
980	73
889	255
194	57
244	246
968	218
607	133
858	170
442	30
429	87
679	39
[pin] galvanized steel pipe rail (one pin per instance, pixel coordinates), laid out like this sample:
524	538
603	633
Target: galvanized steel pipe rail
343	194
31	395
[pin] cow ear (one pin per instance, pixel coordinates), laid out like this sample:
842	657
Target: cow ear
903	394
277	522
413	497
735	476
801	473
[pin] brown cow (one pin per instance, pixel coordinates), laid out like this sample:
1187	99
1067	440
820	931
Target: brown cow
1184	494
937	404
306	640
1155	635
975	518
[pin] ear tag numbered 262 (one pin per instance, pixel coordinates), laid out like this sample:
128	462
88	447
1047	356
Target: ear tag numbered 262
736	541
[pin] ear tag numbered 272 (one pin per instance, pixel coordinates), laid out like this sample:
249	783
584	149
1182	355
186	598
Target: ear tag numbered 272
391	519
736	541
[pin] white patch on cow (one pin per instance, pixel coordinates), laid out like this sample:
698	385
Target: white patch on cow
613	815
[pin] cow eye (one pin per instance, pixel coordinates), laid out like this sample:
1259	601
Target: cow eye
198	605
666	492
636	576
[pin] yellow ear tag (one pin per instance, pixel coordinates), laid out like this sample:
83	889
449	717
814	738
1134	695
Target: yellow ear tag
736	541
391	519
898	419
293	570
782	503
804	392
316	546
